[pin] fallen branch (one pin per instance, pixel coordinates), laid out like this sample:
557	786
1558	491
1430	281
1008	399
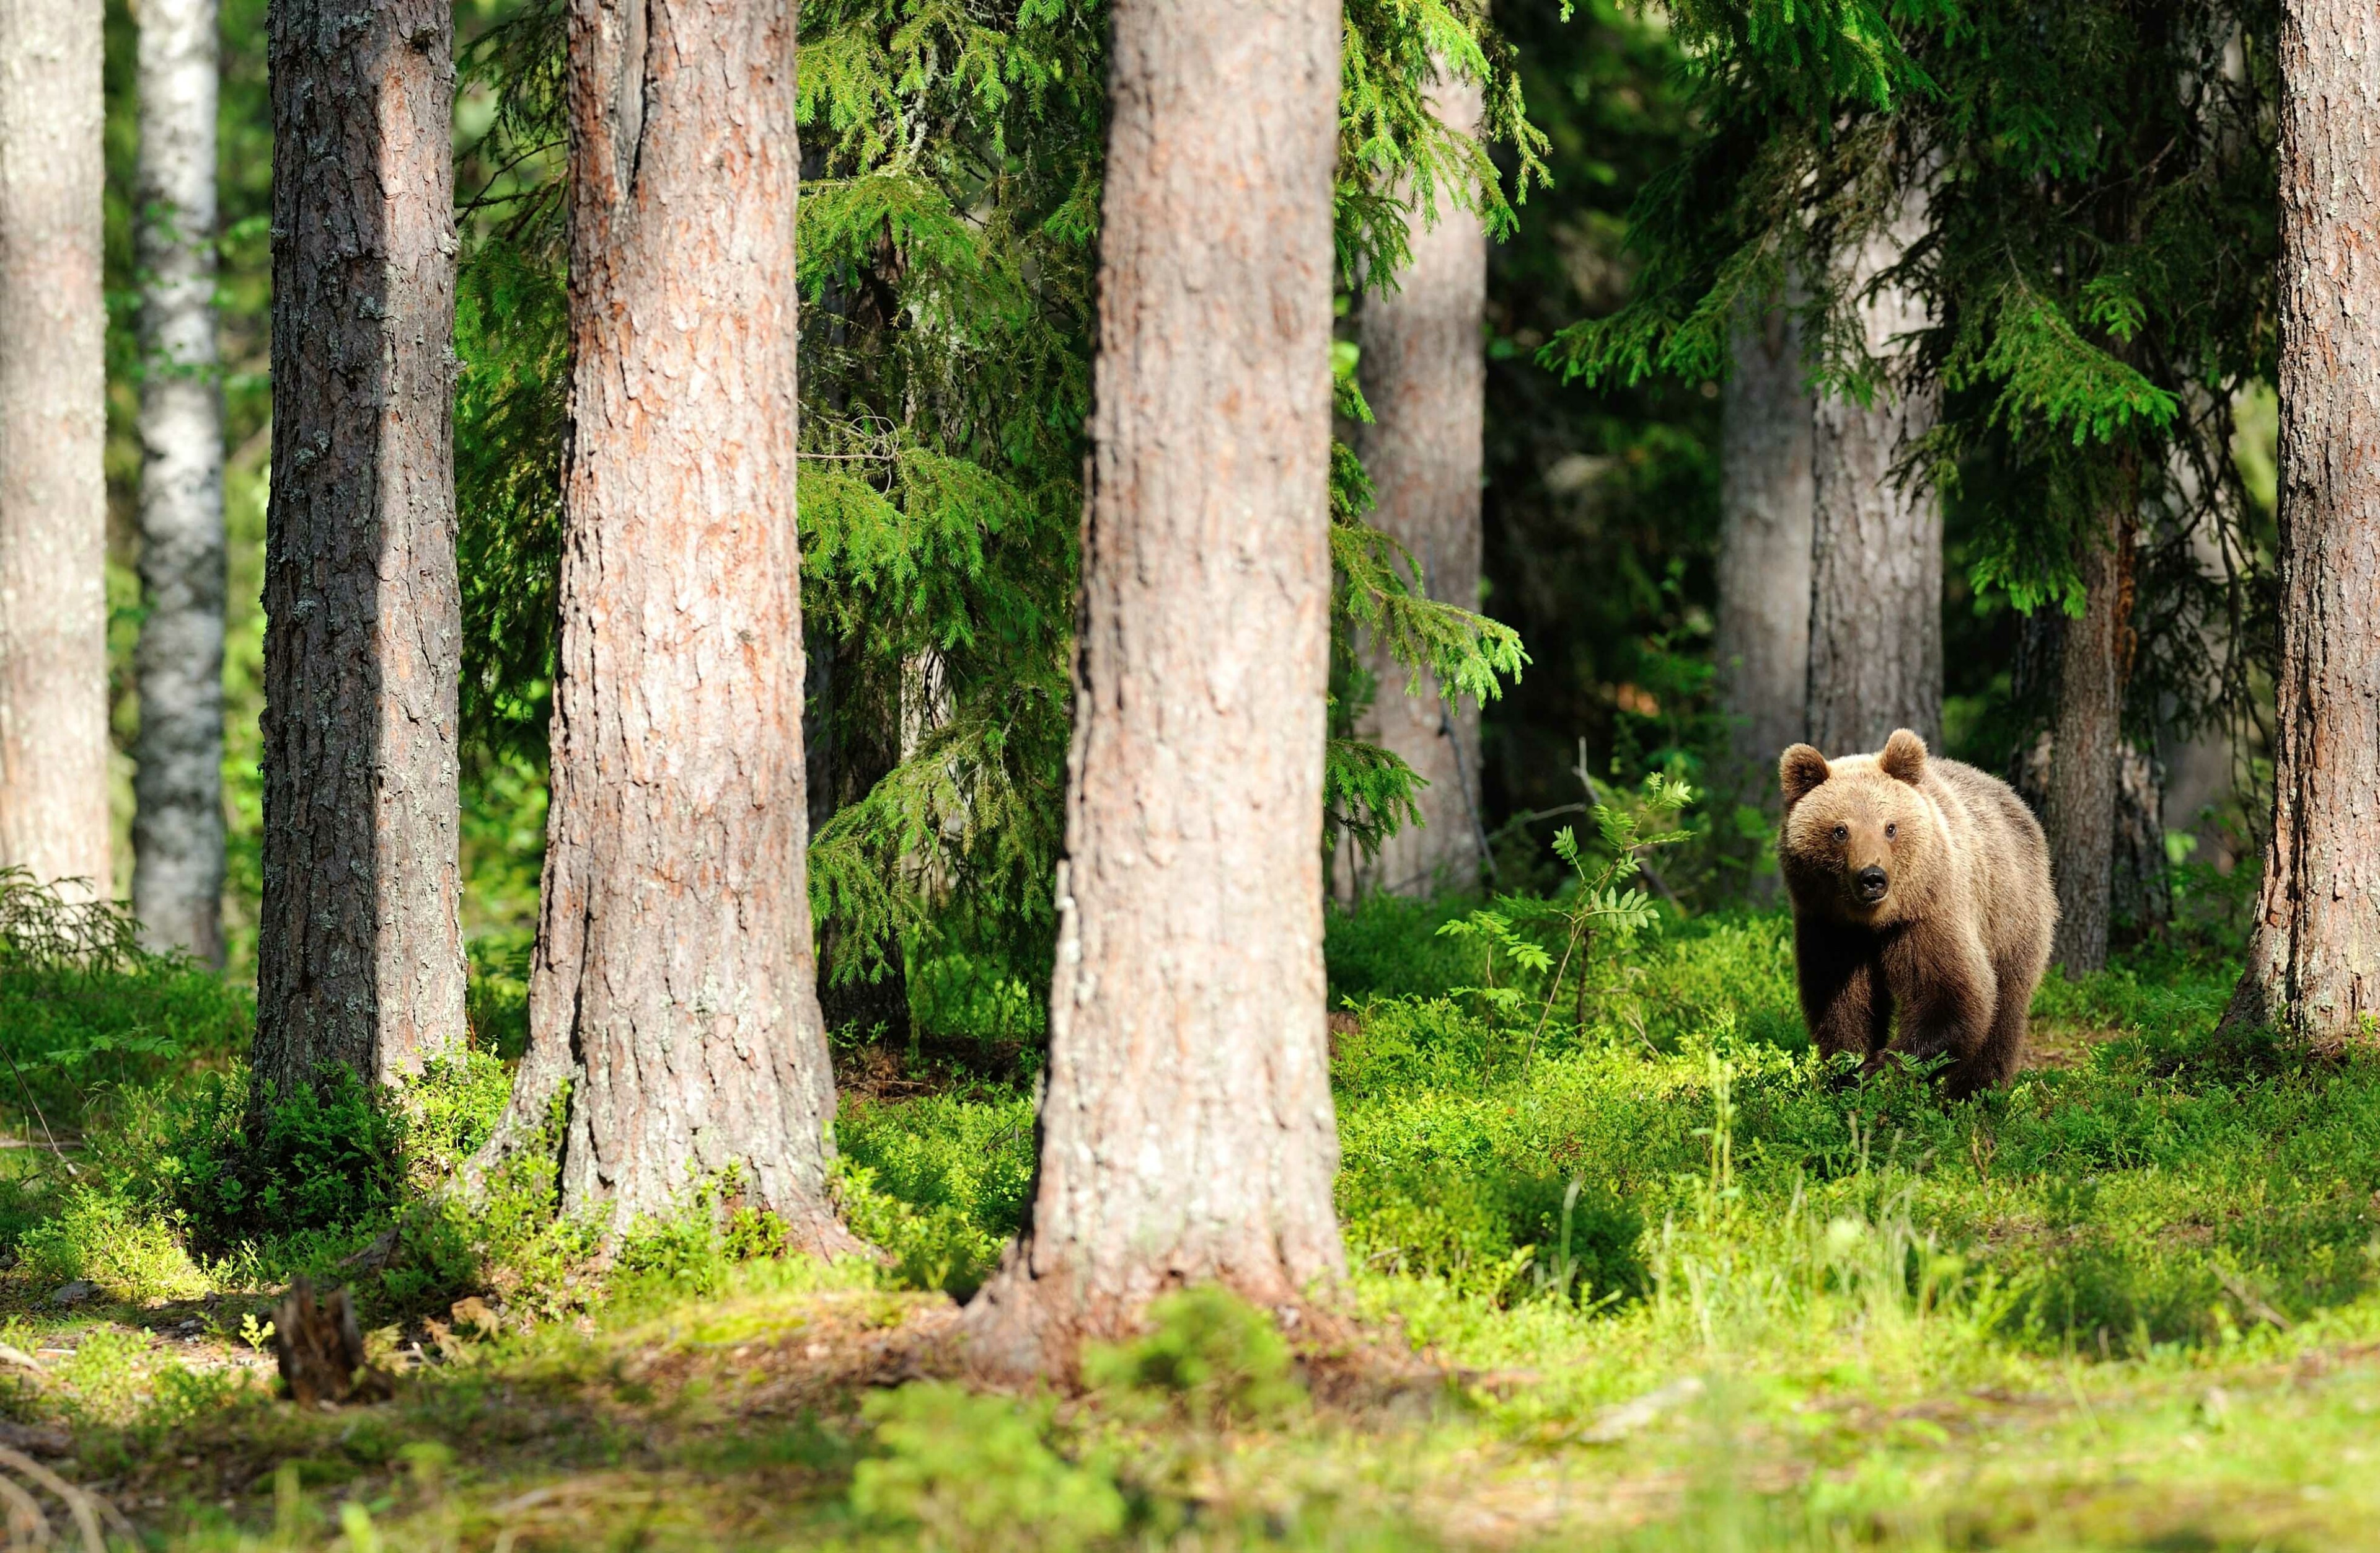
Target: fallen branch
2252	1302
81	1503
27	1527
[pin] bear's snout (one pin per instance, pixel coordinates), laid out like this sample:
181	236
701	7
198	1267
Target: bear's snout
1872	883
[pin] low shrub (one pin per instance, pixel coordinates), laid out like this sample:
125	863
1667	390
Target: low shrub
1388	946
939	1183
973	1472
1207	1353
86	1012
689	1252
326	1159
131	1251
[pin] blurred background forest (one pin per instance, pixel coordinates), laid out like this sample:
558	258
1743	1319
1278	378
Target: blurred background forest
1601	507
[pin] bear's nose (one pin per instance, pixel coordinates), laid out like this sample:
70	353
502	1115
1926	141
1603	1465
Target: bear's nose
1871	881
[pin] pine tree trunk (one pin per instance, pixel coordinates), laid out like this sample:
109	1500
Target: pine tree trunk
2088	747
178	826
2314	959
1424	371
1876	584
1186	1120
1764	550
674	990
54	746
359	954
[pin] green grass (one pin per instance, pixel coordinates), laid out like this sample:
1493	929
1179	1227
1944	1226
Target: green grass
1672	1288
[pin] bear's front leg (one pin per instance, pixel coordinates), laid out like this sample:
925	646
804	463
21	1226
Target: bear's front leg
1844	998
1947	992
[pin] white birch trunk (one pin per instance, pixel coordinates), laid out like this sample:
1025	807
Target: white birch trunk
177	827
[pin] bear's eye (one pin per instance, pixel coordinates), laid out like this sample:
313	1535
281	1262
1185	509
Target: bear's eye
1842	833
1890	831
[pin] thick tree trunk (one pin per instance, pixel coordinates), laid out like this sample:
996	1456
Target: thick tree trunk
2314	959
1875	582
674	991
1764	550
1186	1120
52	424
1424	371
2094	656
360	951
177	825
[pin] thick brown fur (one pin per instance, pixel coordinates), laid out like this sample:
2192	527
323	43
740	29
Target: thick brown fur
1959	936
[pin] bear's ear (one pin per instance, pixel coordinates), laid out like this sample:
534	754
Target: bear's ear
1903	758
1800	771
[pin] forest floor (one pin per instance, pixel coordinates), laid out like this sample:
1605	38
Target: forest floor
1656	1285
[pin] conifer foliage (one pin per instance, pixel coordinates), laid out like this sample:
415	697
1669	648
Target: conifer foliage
2094	269
951	170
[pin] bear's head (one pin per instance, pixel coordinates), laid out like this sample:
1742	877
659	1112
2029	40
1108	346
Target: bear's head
1859	840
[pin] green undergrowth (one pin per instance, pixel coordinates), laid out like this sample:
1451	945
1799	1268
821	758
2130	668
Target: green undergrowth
2173	1187
2172	1191
686	1422
1819	1307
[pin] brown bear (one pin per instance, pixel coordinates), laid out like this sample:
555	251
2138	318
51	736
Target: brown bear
1921	886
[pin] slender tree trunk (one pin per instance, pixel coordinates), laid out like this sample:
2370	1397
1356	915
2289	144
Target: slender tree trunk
2314	959
1875	582
52	424
2087	748
1764	549
1186	1120
360	951
177	825
2032	692
867	726
1424	371
2141	896
2198	769
675	992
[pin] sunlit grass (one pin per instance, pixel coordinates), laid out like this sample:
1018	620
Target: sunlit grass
1663	1283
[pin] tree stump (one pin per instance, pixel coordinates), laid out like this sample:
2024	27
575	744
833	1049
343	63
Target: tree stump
322	1349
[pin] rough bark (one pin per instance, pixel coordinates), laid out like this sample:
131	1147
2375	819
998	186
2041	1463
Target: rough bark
1424	371
2140	894
52	424
177	825
2095	656
674	989
1185	1120
2314	959
359	953
1766	494
1876	581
